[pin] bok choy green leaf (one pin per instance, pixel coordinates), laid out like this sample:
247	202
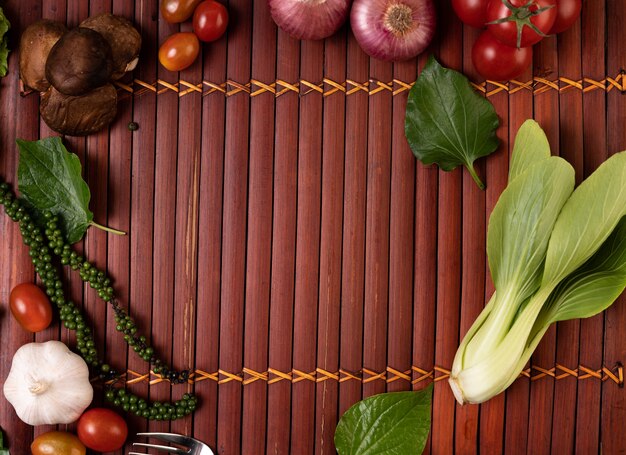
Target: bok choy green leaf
554	255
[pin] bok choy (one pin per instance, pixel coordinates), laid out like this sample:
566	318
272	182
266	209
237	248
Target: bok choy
554	253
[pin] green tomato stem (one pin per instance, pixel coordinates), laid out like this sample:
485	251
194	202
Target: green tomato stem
472	171
107	229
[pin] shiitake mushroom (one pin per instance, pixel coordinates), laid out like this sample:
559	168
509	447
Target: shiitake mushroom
79	115
123	37
73	69
79	62
35	45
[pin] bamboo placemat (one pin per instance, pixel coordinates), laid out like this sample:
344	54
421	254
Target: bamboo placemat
285	245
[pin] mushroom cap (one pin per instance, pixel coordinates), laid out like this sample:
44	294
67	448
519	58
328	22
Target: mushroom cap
123	37
79	115
79	62
35	44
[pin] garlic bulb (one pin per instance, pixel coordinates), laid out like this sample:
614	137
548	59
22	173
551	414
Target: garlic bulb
48	384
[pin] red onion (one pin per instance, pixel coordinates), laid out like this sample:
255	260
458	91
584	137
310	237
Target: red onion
309	19
393	30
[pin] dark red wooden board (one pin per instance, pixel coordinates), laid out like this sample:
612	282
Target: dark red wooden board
283	245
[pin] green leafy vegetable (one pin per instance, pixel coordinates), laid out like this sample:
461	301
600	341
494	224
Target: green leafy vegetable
447	122
391	423
595	285
50	181
531	146
517	240
4	43
3	450
587	220
554	255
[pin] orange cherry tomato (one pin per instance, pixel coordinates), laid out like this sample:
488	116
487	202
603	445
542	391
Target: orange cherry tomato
57	443
175	11
179	51
30	307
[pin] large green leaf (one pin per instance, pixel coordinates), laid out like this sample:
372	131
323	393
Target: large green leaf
49	179
391	424
4	43
587	219
522	221
531	146
448	122
595	285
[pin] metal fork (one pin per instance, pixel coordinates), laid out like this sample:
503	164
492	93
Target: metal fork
190	446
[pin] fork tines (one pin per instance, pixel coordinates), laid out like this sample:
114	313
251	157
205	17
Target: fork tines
167	437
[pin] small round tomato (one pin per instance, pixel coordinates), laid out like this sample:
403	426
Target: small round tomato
30	307
471	12
210	20
175	11
498	62
179	51
515	22
567	12
102	429
57	443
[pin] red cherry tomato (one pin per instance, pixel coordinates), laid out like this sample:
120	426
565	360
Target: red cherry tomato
567	12
102	429
30	307
175	11
179	51
471	12
540	14
497	61
210	20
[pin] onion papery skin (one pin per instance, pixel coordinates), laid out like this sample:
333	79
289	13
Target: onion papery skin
309	19
370	24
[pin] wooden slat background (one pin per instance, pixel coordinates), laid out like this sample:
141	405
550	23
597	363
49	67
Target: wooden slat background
298	233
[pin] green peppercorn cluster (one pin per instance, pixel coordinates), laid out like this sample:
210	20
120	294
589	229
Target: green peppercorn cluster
48	243
155	410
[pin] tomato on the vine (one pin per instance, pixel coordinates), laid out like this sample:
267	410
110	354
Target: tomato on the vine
175	11
521	23
567	12
497	61
210	20
179	51
102	429
471	12
30	307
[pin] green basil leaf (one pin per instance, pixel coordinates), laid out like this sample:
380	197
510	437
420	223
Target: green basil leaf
4	43
587	219
531	146
448	122
49	179
390	423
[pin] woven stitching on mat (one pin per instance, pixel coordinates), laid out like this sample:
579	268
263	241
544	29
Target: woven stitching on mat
328	87
412	376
